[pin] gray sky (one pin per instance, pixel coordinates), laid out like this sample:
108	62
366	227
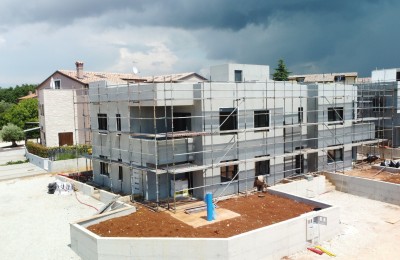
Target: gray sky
169	36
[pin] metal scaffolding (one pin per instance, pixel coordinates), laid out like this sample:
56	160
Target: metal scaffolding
220	136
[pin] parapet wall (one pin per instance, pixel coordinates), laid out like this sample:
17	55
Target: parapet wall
270	242
367	188
57	166
307	188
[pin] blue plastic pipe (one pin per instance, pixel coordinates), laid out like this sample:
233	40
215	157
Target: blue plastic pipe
210	207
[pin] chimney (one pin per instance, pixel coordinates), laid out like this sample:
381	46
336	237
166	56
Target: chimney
79	69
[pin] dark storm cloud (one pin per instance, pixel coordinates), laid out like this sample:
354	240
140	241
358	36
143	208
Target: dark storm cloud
222	14
312	36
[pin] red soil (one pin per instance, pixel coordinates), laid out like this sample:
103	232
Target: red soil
255	212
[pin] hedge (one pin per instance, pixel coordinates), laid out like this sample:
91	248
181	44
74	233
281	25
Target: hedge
53	152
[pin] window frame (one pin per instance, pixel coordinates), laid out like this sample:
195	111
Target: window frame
228	172
102	121
300	115
259	114
104	169
224	120
118	122
335	155
237	73
334	113
57	84
258	166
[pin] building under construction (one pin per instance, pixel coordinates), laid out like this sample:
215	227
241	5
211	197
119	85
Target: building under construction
161	141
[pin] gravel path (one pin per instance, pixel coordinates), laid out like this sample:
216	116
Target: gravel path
34	224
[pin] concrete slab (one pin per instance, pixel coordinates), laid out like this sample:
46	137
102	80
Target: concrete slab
8	172
12	154
34	224
20	171
364	231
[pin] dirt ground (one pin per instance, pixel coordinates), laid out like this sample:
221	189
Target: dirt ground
255	212
365	171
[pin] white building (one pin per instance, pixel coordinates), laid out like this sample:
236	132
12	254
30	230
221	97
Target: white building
217	136
63	110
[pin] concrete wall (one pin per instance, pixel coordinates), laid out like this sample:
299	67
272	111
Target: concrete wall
38	161
271	242
371	189
384	75
250	72
57	166
80	186
86	245
303	188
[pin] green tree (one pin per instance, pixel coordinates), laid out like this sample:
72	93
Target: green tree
281	72
12	133
24	111
11	95
4	106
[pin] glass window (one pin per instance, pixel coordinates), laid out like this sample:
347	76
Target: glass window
102	120
238	76
228	119
261	118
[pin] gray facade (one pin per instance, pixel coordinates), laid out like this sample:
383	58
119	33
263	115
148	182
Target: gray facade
218	136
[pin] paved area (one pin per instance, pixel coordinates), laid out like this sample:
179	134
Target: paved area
34	224
369	229
16	170
12	154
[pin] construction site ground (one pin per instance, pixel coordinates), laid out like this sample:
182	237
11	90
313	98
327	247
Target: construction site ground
235	216
364	170
35	224
369	230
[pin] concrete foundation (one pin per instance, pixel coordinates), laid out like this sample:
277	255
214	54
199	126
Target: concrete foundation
270	242
308	188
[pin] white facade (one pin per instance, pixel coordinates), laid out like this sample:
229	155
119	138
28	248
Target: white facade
385	75
219	135
249	72
63	111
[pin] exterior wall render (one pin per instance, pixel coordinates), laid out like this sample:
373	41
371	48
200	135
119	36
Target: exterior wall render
72	116
297	139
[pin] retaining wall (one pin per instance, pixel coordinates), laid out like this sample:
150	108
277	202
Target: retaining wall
303	188
270	242
57	166
80	186
106	196
367	188
38	161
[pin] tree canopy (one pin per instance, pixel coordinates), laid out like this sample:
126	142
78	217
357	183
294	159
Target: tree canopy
12	133
281	73
24	111
11	95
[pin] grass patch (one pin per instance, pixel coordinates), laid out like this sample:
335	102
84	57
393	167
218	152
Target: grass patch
65	156
16	162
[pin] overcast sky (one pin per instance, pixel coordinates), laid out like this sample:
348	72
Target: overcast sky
170	36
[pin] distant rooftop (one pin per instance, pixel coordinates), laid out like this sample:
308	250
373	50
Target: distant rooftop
187	76
325	77
90	76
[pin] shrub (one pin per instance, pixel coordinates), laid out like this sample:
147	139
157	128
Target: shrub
57	153
12	133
